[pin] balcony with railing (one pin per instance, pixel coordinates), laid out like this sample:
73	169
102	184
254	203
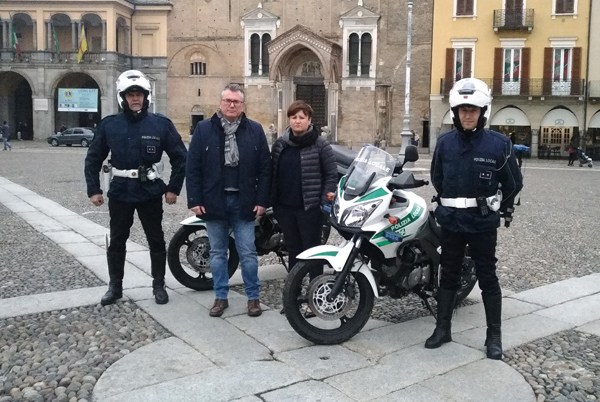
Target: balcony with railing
527	87
69	59
513	19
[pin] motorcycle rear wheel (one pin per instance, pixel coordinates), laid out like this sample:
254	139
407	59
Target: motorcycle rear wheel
468	279
188	257
334	322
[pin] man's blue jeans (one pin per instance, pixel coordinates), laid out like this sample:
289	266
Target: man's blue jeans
218	235
6	143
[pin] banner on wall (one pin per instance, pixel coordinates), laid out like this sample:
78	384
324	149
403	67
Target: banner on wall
77	100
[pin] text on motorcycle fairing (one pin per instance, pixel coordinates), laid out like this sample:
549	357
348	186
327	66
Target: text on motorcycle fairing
373	163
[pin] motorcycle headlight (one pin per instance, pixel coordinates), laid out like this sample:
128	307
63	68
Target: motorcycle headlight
358	214
336	207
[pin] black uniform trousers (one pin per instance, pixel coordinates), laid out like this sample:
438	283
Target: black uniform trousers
121	218
482	247
301	229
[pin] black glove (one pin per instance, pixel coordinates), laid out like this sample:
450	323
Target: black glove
507	215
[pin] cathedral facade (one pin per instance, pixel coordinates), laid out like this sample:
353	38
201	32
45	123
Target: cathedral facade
347	58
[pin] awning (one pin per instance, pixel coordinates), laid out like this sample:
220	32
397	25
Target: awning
559	117
595	121
510	116
447	118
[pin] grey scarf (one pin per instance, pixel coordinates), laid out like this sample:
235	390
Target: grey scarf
232	154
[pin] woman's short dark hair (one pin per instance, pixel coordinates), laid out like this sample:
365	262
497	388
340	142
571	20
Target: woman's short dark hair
300	106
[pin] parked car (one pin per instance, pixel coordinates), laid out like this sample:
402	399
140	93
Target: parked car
76	135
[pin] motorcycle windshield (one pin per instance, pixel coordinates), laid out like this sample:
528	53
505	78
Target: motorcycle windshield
370	165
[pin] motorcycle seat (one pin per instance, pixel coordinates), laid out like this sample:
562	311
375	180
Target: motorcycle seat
343	155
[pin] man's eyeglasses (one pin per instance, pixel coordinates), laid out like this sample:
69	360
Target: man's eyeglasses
232	102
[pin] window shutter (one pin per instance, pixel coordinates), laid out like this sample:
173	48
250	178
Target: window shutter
467	60
449	76
576	84
559	6
498	64
569	6
548	64
525	73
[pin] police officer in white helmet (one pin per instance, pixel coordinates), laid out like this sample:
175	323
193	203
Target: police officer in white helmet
476	177
135	140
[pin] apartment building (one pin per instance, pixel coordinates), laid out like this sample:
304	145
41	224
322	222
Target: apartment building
532	53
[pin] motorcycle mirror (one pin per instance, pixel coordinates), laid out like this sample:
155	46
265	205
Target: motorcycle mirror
330	196
411	154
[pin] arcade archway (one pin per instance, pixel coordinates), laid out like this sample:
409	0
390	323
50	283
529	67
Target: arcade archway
77	117
16	104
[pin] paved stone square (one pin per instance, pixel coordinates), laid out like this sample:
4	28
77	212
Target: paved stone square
50	253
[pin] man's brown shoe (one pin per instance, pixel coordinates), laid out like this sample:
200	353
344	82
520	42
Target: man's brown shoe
254	309
218	308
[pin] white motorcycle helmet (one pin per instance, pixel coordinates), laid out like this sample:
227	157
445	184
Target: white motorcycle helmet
470	92
133	80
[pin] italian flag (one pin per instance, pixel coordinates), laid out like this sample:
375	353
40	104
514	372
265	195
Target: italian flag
15	41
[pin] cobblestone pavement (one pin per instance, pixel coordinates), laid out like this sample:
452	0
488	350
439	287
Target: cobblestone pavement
554	237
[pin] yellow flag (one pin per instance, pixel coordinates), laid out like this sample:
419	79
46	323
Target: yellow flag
82	45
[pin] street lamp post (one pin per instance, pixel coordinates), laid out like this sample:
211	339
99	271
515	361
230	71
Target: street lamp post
406	133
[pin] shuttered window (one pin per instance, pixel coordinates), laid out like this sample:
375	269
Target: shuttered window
462	63
259	56
464	7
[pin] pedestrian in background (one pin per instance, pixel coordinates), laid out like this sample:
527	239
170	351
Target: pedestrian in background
136	140
6	136
228	182
518	153
304	171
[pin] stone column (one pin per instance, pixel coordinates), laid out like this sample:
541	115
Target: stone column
103	49
74	42
35	35
9	36
4	36
49	35
79	23
332	109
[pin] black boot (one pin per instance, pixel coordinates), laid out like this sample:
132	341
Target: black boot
493	317
116	268
158	265
446	301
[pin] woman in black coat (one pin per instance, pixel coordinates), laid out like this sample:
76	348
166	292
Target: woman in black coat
304	171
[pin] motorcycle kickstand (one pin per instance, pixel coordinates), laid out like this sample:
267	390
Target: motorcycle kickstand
425	301
282	260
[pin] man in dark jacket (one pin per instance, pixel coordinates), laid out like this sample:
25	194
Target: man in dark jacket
228	183
136	140
6	136
476	176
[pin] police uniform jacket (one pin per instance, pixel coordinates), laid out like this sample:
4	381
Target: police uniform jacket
204	177
134	142
474	166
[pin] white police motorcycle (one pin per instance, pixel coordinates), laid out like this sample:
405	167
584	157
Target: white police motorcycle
391	247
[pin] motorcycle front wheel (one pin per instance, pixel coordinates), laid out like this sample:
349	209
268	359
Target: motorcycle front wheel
313	317
189	260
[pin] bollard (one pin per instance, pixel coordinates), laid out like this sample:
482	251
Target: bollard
383	144
350	144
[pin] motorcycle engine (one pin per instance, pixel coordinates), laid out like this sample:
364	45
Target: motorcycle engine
414	269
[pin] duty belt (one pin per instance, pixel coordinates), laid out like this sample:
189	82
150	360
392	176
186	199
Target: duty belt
143	173
492	202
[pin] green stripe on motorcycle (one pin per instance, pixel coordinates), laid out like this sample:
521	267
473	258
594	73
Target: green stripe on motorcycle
375	194
326	254
414	214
